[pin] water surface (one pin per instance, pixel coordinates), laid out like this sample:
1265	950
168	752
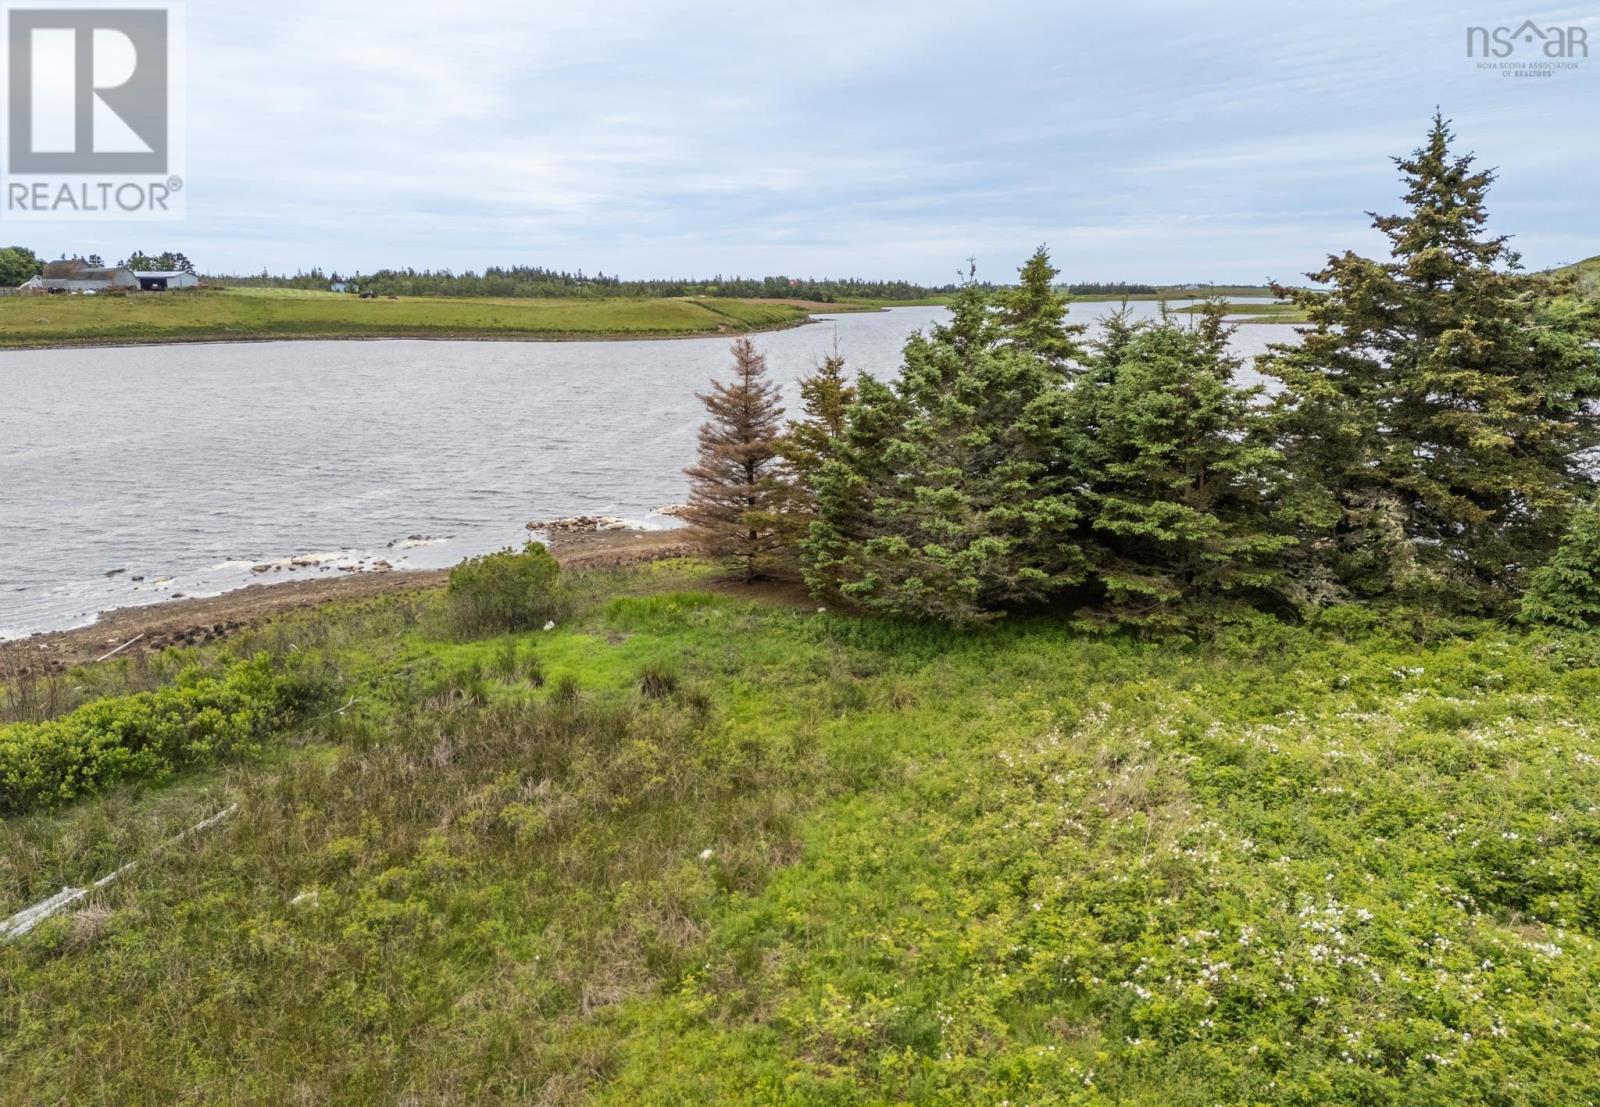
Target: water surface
187	465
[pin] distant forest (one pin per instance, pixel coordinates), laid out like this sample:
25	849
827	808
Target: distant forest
535	281
1111	288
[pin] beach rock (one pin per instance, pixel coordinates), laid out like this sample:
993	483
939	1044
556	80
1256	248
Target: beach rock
579	524
673	511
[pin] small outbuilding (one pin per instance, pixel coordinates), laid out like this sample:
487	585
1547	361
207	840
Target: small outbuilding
165	280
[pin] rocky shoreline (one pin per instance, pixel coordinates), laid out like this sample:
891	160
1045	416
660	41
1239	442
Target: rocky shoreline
194	621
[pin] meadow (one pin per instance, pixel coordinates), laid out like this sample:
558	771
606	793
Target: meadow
244	314
699	843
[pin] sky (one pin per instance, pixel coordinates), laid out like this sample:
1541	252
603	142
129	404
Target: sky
1231	142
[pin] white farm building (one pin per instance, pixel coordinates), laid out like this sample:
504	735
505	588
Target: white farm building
163	280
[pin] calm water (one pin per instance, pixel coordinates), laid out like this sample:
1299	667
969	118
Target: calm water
187	465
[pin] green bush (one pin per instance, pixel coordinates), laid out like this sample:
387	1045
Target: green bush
505	591
1565	592
197	719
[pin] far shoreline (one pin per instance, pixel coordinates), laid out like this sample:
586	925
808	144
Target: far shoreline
221	316
431	336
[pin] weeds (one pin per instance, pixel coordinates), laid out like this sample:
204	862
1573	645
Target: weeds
657	681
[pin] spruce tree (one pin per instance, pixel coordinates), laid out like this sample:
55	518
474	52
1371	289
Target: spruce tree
942	501
1184	484
809	443
1565	592
734	492
825	398
1440	398
1033	315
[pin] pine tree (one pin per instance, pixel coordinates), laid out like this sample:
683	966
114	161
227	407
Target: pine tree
1184	483
826	395
1033	315
1565	592
941	501
1440	398
734	492
825	398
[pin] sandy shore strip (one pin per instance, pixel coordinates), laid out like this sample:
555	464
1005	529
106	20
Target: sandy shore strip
199	620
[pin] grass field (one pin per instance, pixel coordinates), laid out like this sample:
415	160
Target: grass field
1588	272
693	848
1179	292
1276	312
246	314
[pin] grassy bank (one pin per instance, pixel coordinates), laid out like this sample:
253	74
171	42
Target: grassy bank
1587	273
1276	312
254	314
692	846
1179	292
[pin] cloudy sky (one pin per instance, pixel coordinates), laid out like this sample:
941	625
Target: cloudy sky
1142	141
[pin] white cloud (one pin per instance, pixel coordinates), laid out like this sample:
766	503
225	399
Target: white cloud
1144	141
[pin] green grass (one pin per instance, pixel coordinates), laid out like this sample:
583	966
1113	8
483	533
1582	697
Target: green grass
691	848
248	313
1588	273
1179	292
1276	312
869	304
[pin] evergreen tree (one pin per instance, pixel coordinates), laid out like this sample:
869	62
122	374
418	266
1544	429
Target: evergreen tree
1440	398
734	492
1565	592
941	501
825	397
1184	483
1034	315
810	442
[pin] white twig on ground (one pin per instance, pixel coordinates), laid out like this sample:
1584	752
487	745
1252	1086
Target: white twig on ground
29	917
119	649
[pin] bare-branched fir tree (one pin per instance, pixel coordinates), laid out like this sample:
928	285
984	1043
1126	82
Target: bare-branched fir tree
734	488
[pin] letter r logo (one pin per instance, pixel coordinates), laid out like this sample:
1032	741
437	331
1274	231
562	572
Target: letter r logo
88	90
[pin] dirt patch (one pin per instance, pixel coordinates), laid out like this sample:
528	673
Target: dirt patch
194	622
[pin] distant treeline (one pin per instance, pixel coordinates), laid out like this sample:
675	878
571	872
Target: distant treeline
1111	288
535	281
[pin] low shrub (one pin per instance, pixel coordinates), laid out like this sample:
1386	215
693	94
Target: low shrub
657	681
199	718
504	591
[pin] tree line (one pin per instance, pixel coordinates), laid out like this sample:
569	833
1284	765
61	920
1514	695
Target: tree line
1431	443
18	264
529	281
